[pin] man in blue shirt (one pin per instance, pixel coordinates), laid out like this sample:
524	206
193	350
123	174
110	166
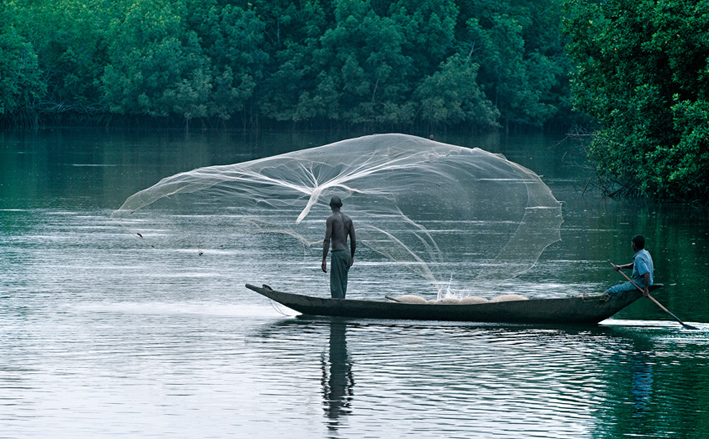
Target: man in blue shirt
642	269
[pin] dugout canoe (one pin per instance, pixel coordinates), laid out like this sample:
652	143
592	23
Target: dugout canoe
577	310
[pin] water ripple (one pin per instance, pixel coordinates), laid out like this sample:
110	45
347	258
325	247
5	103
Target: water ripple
102	338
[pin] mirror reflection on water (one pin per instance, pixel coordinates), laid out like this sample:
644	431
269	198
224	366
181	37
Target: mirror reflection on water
103	337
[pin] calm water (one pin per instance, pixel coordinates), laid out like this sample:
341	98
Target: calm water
103	338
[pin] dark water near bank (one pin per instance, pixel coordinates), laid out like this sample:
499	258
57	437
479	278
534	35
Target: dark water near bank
101	337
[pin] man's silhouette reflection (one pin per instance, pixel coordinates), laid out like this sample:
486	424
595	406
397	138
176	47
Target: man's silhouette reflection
337	380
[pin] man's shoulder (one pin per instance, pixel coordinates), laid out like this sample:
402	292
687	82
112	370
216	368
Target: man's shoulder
346	220
643	255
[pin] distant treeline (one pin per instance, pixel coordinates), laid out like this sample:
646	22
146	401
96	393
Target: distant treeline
428	63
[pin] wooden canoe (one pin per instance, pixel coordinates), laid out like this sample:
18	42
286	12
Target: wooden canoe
576	310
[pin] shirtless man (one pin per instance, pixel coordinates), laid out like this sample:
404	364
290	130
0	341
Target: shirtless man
338	227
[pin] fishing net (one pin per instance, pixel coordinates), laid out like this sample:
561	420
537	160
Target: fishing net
457	217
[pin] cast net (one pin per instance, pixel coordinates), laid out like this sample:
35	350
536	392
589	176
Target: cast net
457	219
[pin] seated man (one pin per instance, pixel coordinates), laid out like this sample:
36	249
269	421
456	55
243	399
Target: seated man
642	269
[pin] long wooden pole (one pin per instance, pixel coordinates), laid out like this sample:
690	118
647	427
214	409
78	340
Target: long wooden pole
656	302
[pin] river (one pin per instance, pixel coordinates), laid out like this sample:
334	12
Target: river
103	338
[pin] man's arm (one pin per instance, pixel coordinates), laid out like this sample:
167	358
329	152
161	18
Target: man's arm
353	244
326	243
646	282
623	267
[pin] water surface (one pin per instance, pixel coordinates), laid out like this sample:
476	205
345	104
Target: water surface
103	337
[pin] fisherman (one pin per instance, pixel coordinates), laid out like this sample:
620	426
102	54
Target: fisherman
338	227
642	269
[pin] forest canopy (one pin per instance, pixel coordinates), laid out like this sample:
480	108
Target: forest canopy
638	68
434	63
643	74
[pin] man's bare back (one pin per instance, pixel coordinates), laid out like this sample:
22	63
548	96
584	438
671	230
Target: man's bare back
340	225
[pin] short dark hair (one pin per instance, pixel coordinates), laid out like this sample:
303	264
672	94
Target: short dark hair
335	202
639	241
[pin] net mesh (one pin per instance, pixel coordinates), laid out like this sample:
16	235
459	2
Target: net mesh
457	217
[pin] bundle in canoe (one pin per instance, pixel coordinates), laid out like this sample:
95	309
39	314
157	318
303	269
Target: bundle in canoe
579	310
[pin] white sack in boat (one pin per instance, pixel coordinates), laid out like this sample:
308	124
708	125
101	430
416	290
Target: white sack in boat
446	301
470	300
410	298
508	298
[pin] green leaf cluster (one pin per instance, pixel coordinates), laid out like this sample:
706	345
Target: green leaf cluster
643	74
478	63
20	81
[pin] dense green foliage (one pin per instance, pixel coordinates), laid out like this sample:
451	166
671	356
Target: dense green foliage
479	63
644	75
642	70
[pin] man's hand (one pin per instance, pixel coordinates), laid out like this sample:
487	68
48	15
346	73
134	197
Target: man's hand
324	266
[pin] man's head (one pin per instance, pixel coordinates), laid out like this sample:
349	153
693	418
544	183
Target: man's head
335	202
638	242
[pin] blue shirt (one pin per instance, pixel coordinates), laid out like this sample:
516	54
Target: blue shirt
642	263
